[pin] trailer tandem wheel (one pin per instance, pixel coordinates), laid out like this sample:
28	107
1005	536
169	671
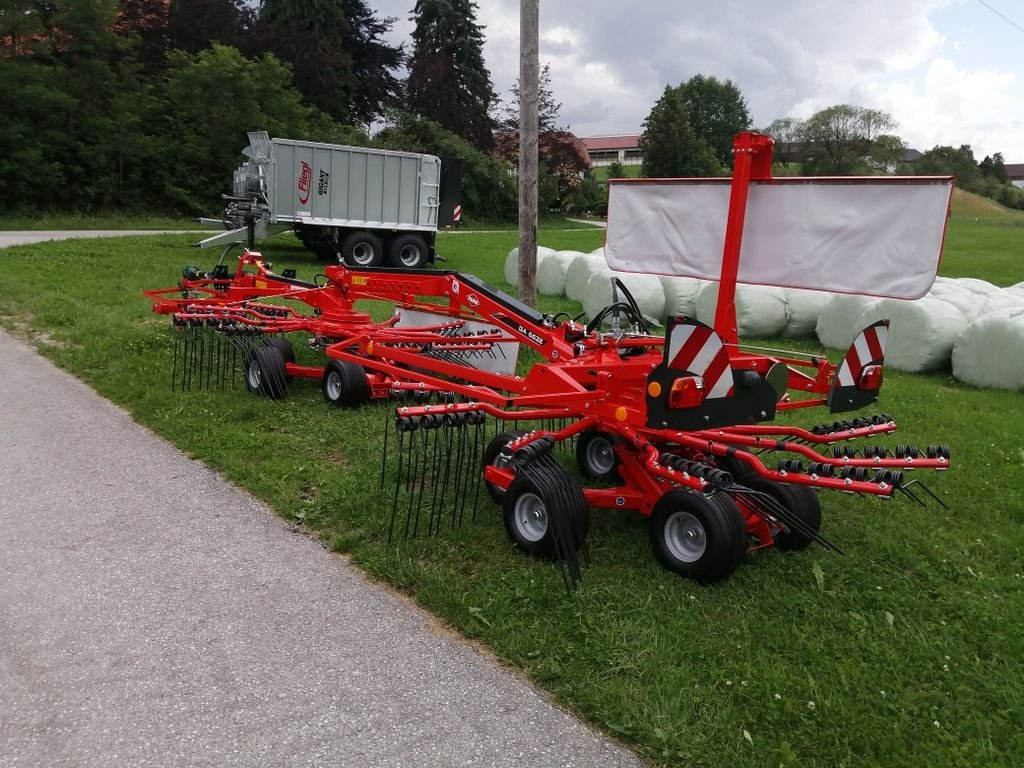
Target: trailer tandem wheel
344	384
362	249
408	252
265	372
702	537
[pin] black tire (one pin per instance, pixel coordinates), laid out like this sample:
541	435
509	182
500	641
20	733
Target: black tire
408	252
800	501
739	470
344	384
701	537
362	250
538	500
282	345
265	373
595	455
492	455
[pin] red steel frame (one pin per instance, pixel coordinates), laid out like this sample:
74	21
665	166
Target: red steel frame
597	380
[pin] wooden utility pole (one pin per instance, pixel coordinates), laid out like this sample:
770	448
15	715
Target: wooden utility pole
529	13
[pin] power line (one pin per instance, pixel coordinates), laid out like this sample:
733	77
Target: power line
1007	19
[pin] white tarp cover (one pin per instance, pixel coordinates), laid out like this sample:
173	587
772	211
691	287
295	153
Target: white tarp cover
877	237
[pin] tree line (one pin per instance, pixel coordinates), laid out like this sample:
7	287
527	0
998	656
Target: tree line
689	133
144	105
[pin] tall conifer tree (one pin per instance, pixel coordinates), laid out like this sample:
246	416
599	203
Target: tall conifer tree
448	81
671	146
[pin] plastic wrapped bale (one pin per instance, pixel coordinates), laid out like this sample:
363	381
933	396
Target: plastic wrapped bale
760	311
921	333
1016	288
580	270
1000	299
551	272
839	317
974	285
804	308
512	263
990	351
967	302
645	289
681	295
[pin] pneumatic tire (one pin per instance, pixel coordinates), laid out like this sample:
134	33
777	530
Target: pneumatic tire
362	250
408	252
344	384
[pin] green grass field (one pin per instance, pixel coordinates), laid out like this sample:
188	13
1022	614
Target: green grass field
907	651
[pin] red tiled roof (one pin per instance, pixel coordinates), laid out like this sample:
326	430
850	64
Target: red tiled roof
611	142
1013	170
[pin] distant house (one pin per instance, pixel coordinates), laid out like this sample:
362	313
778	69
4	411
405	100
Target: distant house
605	150
1015	174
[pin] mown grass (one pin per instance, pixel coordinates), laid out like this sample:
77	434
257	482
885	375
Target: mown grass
906	652
18	222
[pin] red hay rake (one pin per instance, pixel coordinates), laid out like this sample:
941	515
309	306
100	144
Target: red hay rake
672	427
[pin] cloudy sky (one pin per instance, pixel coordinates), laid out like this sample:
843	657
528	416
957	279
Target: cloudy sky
949	71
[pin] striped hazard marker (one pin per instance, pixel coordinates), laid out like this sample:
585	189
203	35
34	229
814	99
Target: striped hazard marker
867	349
695	348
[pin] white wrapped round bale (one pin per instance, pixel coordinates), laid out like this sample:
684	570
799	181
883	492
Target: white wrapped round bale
645	289
1001	299
681	295
551	272
839	317
760	311
921	333
512	263
990	351
580	270
980	287
804	308
967	302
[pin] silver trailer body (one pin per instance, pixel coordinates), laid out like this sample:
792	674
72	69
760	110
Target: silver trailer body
366	207
337	186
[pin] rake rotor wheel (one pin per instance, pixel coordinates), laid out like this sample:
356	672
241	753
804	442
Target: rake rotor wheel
701	537
799	500
265	373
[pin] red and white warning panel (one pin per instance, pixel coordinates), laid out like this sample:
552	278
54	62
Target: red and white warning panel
866	353
699	350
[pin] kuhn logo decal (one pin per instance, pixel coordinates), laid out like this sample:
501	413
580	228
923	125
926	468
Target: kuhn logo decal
305	176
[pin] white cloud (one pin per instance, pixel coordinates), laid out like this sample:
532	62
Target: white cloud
611	60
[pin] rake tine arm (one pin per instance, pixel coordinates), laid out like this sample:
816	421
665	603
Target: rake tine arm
804	434
761	443
926	489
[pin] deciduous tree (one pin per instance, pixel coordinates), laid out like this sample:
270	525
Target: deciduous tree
841	137
717	112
